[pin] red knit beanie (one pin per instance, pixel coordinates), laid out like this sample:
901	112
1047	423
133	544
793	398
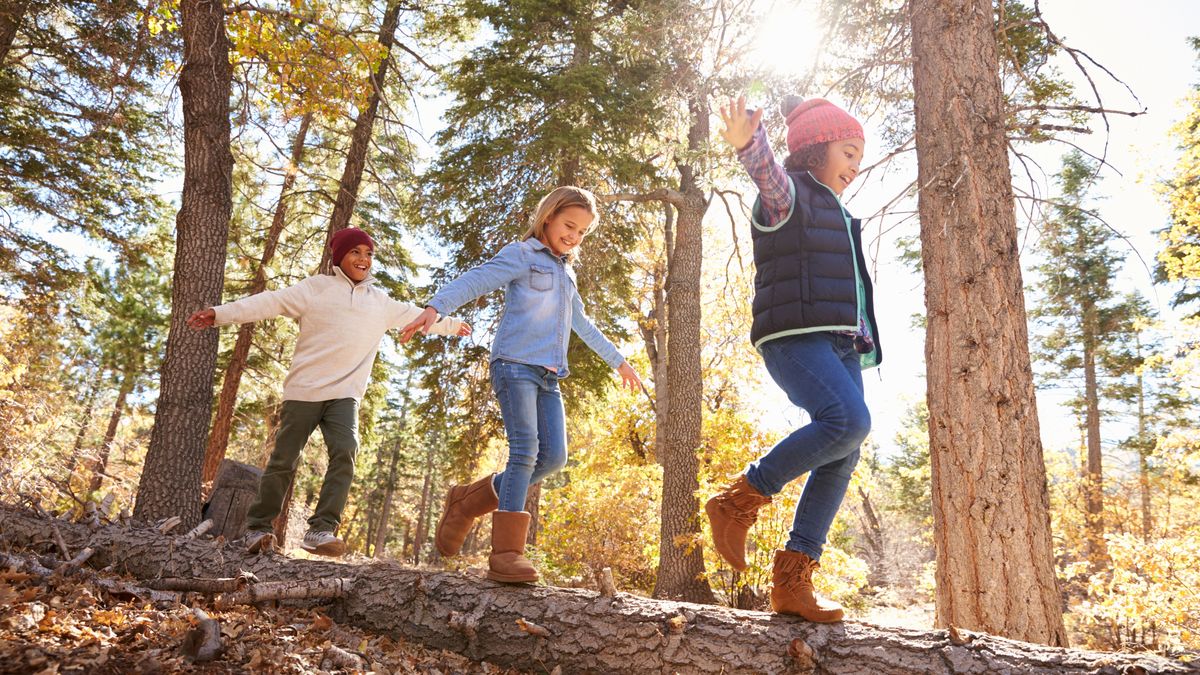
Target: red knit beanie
344	240
819	121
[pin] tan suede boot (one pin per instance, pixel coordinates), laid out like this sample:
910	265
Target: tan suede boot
464	503
792	589
507	562
731	513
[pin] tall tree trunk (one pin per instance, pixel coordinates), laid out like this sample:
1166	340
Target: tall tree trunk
1093	479
385	513
423	508
218	438
170	481
360	139
110	433
11	14
84	424
681	559
1143	451
991	508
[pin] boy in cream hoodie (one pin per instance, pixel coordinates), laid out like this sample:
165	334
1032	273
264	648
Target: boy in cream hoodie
342	319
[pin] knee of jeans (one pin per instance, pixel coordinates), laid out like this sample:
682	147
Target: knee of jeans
554	462
521	461
855	426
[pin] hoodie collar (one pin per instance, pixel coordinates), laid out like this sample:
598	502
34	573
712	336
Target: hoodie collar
337	272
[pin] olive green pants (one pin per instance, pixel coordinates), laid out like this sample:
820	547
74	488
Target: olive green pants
338	420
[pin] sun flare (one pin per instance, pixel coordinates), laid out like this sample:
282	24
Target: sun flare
788	36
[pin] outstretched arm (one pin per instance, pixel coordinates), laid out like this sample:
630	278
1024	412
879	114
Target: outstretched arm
473	283
744	131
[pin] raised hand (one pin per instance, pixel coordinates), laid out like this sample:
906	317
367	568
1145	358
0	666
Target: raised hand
464	330
202	319
740	125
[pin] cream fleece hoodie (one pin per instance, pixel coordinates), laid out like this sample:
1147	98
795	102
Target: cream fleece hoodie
341	324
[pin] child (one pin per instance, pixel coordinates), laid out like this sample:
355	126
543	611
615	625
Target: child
342	318
529	357
814	325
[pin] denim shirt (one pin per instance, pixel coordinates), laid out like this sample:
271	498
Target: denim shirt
541	306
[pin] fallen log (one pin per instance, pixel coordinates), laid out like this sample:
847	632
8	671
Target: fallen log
540	628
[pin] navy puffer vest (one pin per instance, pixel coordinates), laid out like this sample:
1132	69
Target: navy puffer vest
805	270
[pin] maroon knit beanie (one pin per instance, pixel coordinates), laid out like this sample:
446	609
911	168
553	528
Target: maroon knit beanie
344	240
818	121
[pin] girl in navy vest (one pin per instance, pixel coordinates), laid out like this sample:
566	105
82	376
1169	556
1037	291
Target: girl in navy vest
814	325
529	356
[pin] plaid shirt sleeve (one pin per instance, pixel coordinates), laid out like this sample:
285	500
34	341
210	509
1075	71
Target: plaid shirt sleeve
774	186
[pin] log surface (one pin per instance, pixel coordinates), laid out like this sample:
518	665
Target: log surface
538	627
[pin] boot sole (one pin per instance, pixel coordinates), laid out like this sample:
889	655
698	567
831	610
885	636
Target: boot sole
333	550
512	578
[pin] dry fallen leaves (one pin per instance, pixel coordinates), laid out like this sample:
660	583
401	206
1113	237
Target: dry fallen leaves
70	625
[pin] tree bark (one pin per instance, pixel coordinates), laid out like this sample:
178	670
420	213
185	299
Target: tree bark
360	139
385	511
11	14
990	503
1143	450
110	433
1093	479
85	423
170	481
218	438
580	630
681	560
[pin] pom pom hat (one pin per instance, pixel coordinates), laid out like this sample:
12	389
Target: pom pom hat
344	240
817	121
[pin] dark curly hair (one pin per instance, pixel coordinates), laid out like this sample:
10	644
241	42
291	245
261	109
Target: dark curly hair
807	158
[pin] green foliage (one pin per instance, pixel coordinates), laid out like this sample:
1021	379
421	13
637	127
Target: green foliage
1179	260
80	137
1079	308
909	471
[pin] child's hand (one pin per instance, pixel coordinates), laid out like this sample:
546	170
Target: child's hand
205	318
629	377
464	330
422	323
739	124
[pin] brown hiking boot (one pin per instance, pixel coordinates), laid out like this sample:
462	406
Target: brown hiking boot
792	589
731	514
464	503
507	562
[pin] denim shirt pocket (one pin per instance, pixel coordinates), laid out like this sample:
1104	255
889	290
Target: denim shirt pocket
541	278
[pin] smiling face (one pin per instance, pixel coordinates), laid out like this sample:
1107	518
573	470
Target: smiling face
841	164
565	230
357	262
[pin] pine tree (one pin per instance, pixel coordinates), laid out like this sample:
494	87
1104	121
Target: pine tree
1086	318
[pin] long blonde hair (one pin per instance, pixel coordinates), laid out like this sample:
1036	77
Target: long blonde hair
552	204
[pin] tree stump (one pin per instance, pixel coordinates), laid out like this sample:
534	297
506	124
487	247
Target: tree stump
233	492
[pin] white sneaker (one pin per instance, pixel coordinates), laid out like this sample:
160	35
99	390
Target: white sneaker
259	542
323	543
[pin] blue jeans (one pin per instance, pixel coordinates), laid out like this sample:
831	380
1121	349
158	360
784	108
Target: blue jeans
820	373
535	424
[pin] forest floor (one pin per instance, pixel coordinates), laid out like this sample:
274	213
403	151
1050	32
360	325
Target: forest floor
55	624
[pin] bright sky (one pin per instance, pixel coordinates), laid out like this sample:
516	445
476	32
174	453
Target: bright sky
1150	53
